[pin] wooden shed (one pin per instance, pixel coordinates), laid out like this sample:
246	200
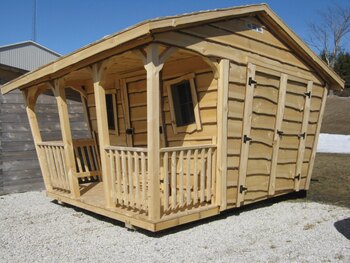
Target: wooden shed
189	115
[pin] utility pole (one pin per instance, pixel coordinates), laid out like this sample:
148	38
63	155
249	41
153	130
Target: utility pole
34	22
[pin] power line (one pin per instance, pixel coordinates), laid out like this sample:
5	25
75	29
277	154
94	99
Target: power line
34	35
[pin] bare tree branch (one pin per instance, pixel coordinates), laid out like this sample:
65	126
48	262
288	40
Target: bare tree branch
328	34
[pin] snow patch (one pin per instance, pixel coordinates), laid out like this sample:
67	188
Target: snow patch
333	143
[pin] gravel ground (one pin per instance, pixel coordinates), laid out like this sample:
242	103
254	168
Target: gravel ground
33	229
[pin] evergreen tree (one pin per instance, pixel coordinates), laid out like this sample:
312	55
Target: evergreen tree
342	67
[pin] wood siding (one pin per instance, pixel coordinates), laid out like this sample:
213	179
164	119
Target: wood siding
132	106
233	39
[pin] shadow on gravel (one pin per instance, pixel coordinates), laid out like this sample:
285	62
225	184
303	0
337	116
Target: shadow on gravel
94	215
225	214
343	227
180	228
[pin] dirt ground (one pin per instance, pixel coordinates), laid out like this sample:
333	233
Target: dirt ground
337	116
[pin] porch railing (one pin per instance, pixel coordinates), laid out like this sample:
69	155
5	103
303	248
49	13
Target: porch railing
56	165
188	176
87	162
87	159
128	168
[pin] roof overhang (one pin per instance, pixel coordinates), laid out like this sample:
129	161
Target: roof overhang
142	33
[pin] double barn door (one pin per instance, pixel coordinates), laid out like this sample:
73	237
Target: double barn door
276	114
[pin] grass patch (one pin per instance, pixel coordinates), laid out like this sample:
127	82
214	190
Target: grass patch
331	179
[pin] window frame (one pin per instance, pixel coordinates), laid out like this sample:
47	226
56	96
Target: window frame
115	111
197	125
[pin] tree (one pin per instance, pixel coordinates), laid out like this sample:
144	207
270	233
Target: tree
342	67
329	32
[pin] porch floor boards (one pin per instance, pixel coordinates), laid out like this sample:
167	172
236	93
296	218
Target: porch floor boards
92	199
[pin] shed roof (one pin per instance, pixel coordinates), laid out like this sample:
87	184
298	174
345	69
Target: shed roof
58	67
26	55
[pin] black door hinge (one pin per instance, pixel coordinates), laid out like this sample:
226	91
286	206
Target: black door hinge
129	131
160	129
246	139
280	133
297	177
307	94
301	135
252	81
242	189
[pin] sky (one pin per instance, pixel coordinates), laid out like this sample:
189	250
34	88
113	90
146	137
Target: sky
66	25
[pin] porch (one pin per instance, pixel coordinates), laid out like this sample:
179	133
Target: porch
187	182
140	165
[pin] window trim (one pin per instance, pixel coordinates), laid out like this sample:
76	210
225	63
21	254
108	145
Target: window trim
115	111
197	125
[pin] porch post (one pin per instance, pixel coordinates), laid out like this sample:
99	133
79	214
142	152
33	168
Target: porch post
153	67
29	100
103	131
60	95
222	110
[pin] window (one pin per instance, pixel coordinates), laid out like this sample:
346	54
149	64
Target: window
111	107
183	104
184	108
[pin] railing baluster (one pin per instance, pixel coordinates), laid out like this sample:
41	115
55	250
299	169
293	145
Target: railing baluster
144	181
112	167
60	167
131	187
202	178
173	179
54	158
181	178
195	173
137	184
82	150
89	158
166	181
61	149
48	159
54	167
213	169
125	181
209	174
119	184
188	177
77	157
96	158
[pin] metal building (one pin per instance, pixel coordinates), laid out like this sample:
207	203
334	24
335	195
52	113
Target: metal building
26	55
